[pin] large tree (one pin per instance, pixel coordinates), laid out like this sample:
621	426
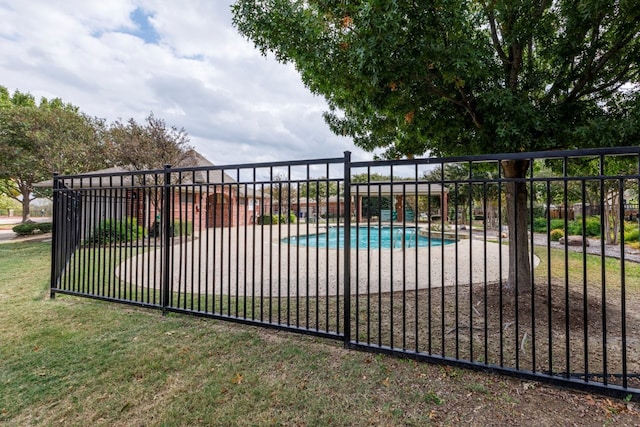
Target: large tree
38	139
464	77
148	145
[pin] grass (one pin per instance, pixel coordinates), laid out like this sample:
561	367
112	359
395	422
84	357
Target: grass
73	361
483	324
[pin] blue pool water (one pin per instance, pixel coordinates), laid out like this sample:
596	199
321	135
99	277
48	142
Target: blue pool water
385	237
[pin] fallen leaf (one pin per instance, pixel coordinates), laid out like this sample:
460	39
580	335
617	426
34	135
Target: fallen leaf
408	118
385	382
237	379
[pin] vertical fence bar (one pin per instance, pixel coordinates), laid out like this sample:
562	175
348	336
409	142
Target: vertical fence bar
444	219
55	237
532	268
516	253
500	261
327	252
391	275
288	189
485	311
205	207
428	267
471	218
456	287
623	286
585	289
567	299
603	291
166	238
347	248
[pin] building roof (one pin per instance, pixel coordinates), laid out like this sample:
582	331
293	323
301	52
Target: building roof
193	159
119	176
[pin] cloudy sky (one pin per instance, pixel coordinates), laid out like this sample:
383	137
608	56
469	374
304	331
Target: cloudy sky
181	60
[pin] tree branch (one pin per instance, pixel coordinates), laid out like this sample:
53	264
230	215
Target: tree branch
470	109
516	65
465	103
591	72
611	85
570	60
495	39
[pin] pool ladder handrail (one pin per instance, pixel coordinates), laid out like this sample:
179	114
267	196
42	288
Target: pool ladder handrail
404	238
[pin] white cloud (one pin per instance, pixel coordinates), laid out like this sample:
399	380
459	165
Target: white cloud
236	105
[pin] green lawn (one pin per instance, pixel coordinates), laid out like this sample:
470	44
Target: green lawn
73	361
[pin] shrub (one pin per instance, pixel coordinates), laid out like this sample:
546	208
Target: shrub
32	228
556	234
632	236
539	212
265	220
591	227
557	223
539	225
574	228
271	219
113	231
46	227
182	228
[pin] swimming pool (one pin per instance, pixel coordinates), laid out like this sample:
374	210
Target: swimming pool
362	237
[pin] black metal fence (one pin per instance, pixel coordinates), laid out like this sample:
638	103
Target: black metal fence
408	257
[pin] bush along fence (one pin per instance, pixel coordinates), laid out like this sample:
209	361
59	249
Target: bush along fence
442	260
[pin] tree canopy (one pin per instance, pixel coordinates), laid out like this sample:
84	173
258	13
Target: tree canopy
38	139
148	145
462	76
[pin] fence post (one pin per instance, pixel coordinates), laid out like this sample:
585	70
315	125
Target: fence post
54	238
347	248
166	237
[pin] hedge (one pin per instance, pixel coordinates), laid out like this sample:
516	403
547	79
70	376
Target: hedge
33	228
574	228
182	228
114	231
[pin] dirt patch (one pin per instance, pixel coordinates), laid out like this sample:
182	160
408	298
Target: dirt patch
558	330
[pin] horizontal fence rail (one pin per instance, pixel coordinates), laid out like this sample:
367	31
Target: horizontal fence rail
448	260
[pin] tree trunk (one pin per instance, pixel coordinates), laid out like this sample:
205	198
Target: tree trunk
611	214
26	202
517	213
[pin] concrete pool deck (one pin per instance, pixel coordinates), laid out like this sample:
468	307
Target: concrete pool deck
253	261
